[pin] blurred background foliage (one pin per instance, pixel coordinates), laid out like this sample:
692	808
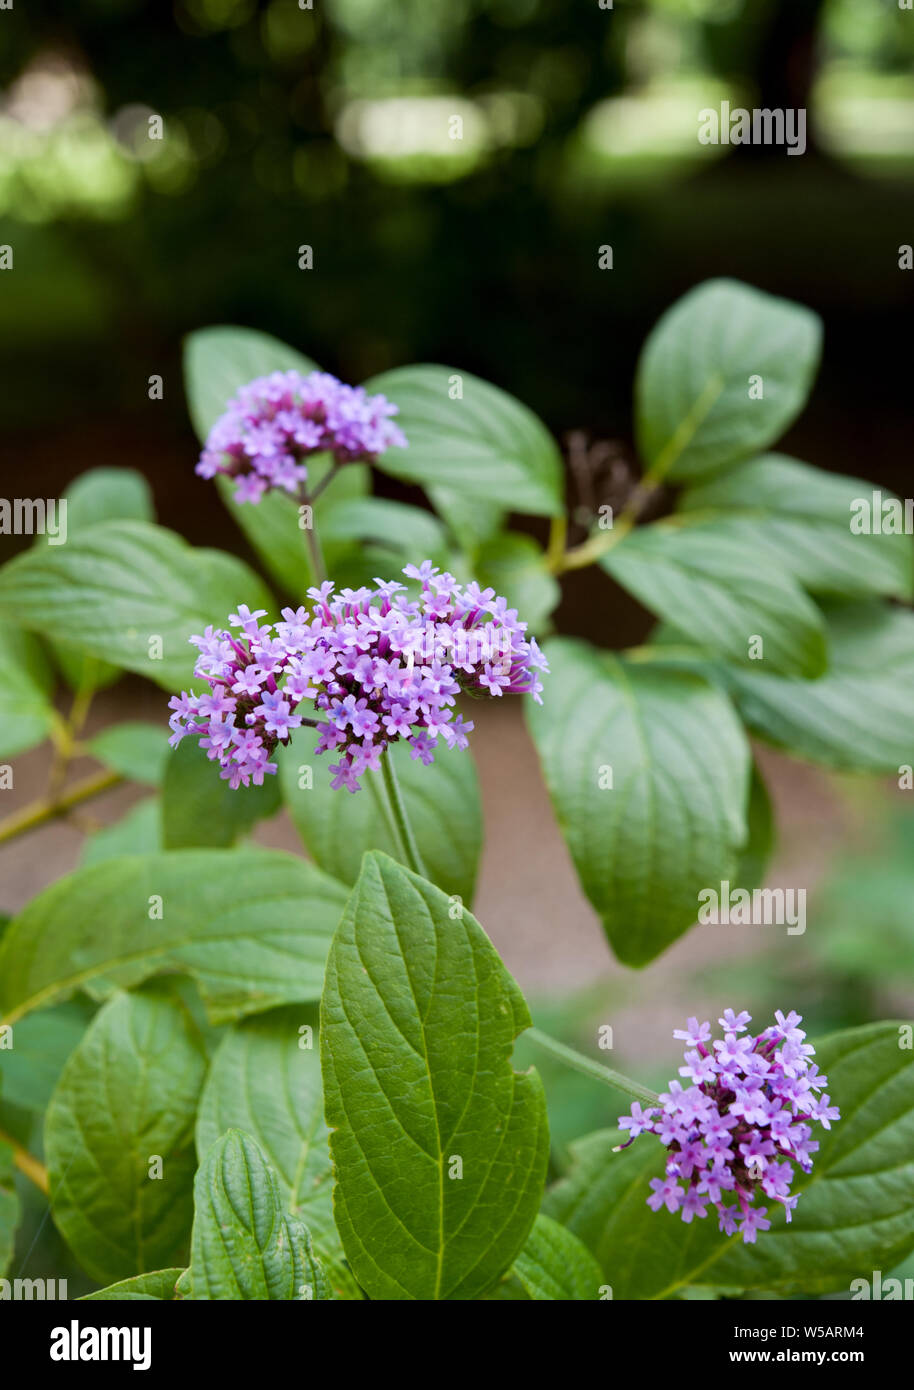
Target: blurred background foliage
332	127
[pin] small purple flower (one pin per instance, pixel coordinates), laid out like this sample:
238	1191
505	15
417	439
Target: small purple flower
638	1121
378	667
732	1132
276	422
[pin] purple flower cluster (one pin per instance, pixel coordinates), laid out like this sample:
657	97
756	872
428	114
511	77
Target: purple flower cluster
275	422
379	666
735	1128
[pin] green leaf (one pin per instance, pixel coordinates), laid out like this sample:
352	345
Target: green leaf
107	494
137	832
135	749
699	578
471	520
220	359
265	1079
855	1214
418	1019
485	444
200	809
102	494
123	584
9	1205
245	1245
252	926
157	1286
796	519
859	716
555	1265
442	801
26	691
694	413
41	1045
673	819
409	532
125	1099
515	566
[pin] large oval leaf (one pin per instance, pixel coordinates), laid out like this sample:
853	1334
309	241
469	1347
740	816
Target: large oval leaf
796	519
130	592
649	774
694	411
118	1137
439	1147
704	581
484	442
252	926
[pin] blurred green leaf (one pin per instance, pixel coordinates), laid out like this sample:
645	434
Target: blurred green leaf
9	1205
859	716
122	588
694	411
649	775
137	750
220	359
251	926
139	831
702	581
796	520
442	801
26	691
515	566
199	808
101	494
483	443
42	1043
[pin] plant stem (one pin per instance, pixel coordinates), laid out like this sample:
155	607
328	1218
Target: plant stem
47	808
28	1164
316	554
598	545
555	548
589	1068
400	817
325	481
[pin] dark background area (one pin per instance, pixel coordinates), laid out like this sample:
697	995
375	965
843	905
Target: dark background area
485	258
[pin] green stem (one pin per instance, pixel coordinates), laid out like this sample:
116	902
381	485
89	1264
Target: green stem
400	817
316	554
46	808
597	546
27	1163
589	1068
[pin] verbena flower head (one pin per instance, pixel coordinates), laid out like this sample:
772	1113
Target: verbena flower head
275	422
378	666
734	1133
